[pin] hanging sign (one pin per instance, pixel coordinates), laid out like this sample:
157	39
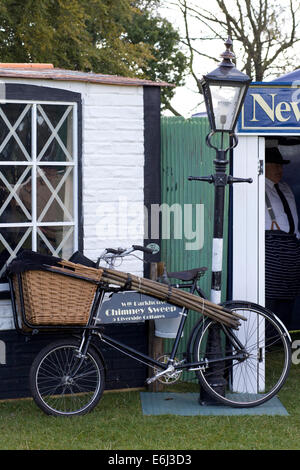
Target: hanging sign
124	307
271	109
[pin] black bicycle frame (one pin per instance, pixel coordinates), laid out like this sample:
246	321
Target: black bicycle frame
149	361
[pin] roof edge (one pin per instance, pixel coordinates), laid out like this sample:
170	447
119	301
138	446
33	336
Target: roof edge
46	72
12	65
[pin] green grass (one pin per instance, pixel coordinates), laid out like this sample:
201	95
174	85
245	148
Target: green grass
118	423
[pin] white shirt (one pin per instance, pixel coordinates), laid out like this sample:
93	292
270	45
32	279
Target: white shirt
280	215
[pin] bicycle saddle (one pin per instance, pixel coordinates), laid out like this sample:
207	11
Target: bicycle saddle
188	275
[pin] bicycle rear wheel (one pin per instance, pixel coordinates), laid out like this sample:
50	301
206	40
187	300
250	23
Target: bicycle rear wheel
63	383
264	368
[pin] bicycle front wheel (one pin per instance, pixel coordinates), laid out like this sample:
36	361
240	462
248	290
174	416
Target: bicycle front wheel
63	383
257	374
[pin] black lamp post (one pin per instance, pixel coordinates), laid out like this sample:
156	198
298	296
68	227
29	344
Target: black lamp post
224	92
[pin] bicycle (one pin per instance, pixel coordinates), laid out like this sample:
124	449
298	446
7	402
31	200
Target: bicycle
67	377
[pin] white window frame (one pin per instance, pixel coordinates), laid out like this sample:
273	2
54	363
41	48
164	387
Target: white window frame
34	164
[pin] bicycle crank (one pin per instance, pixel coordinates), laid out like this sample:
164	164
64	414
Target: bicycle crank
168	376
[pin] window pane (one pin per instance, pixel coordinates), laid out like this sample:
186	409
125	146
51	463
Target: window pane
15	132
55	133
55	194
12	239
15	194
57	241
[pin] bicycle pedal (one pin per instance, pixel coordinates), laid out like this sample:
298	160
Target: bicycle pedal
150	380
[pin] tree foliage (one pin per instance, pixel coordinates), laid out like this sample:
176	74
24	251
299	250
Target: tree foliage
167	62
124	37
66	33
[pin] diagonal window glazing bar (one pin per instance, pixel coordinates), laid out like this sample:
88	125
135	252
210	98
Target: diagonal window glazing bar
19	125
53	193
43	120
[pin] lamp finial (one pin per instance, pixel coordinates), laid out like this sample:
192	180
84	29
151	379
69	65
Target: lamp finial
228	55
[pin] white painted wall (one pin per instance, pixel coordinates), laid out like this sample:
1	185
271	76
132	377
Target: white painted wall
248	236
248	222
112	166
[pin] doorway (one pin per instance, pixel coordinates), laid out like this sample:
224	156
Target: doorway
290	149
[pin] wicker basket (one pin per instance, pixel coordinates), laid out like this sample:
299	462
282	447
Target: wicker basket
52	298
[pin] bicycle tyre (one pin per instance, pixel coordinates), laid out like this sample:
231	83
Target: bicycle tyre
257	378
55	390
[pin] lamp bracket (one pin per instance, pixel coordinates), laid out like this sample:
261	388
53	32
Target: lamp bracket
220	179
207	179
232	179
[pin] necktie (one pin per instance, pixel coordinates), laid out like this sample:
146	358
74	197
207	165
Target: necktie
287	209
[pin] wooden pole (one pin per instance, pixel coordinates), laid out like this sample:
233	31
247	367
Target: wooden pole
174	295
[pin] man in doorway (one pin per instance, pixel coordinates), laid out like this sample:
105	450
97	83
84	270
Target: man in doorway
282	202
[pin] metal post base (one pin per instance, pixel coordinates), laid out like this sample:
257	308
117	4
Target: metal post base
207	400
215	376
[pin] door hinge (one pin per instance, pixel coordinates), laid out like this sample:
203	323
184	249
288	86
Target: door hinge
260	168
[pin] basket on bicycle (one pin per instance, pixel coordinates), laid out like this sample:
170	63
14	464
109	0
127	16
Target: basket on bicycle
61	294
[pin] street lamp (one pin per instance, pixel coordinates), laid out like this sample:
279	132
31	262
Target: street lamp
224	91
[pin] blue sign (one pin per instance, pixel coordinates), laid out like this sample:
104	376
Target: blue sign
128	307
271	109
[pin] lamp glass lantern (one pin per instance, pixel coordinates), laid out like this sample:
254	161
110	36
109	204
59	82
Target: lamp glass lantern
224	92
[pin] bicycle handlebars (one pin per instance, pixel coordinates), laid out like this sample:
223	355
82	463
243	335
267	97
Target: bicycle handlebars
113	251
145	249
110	254
121	251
